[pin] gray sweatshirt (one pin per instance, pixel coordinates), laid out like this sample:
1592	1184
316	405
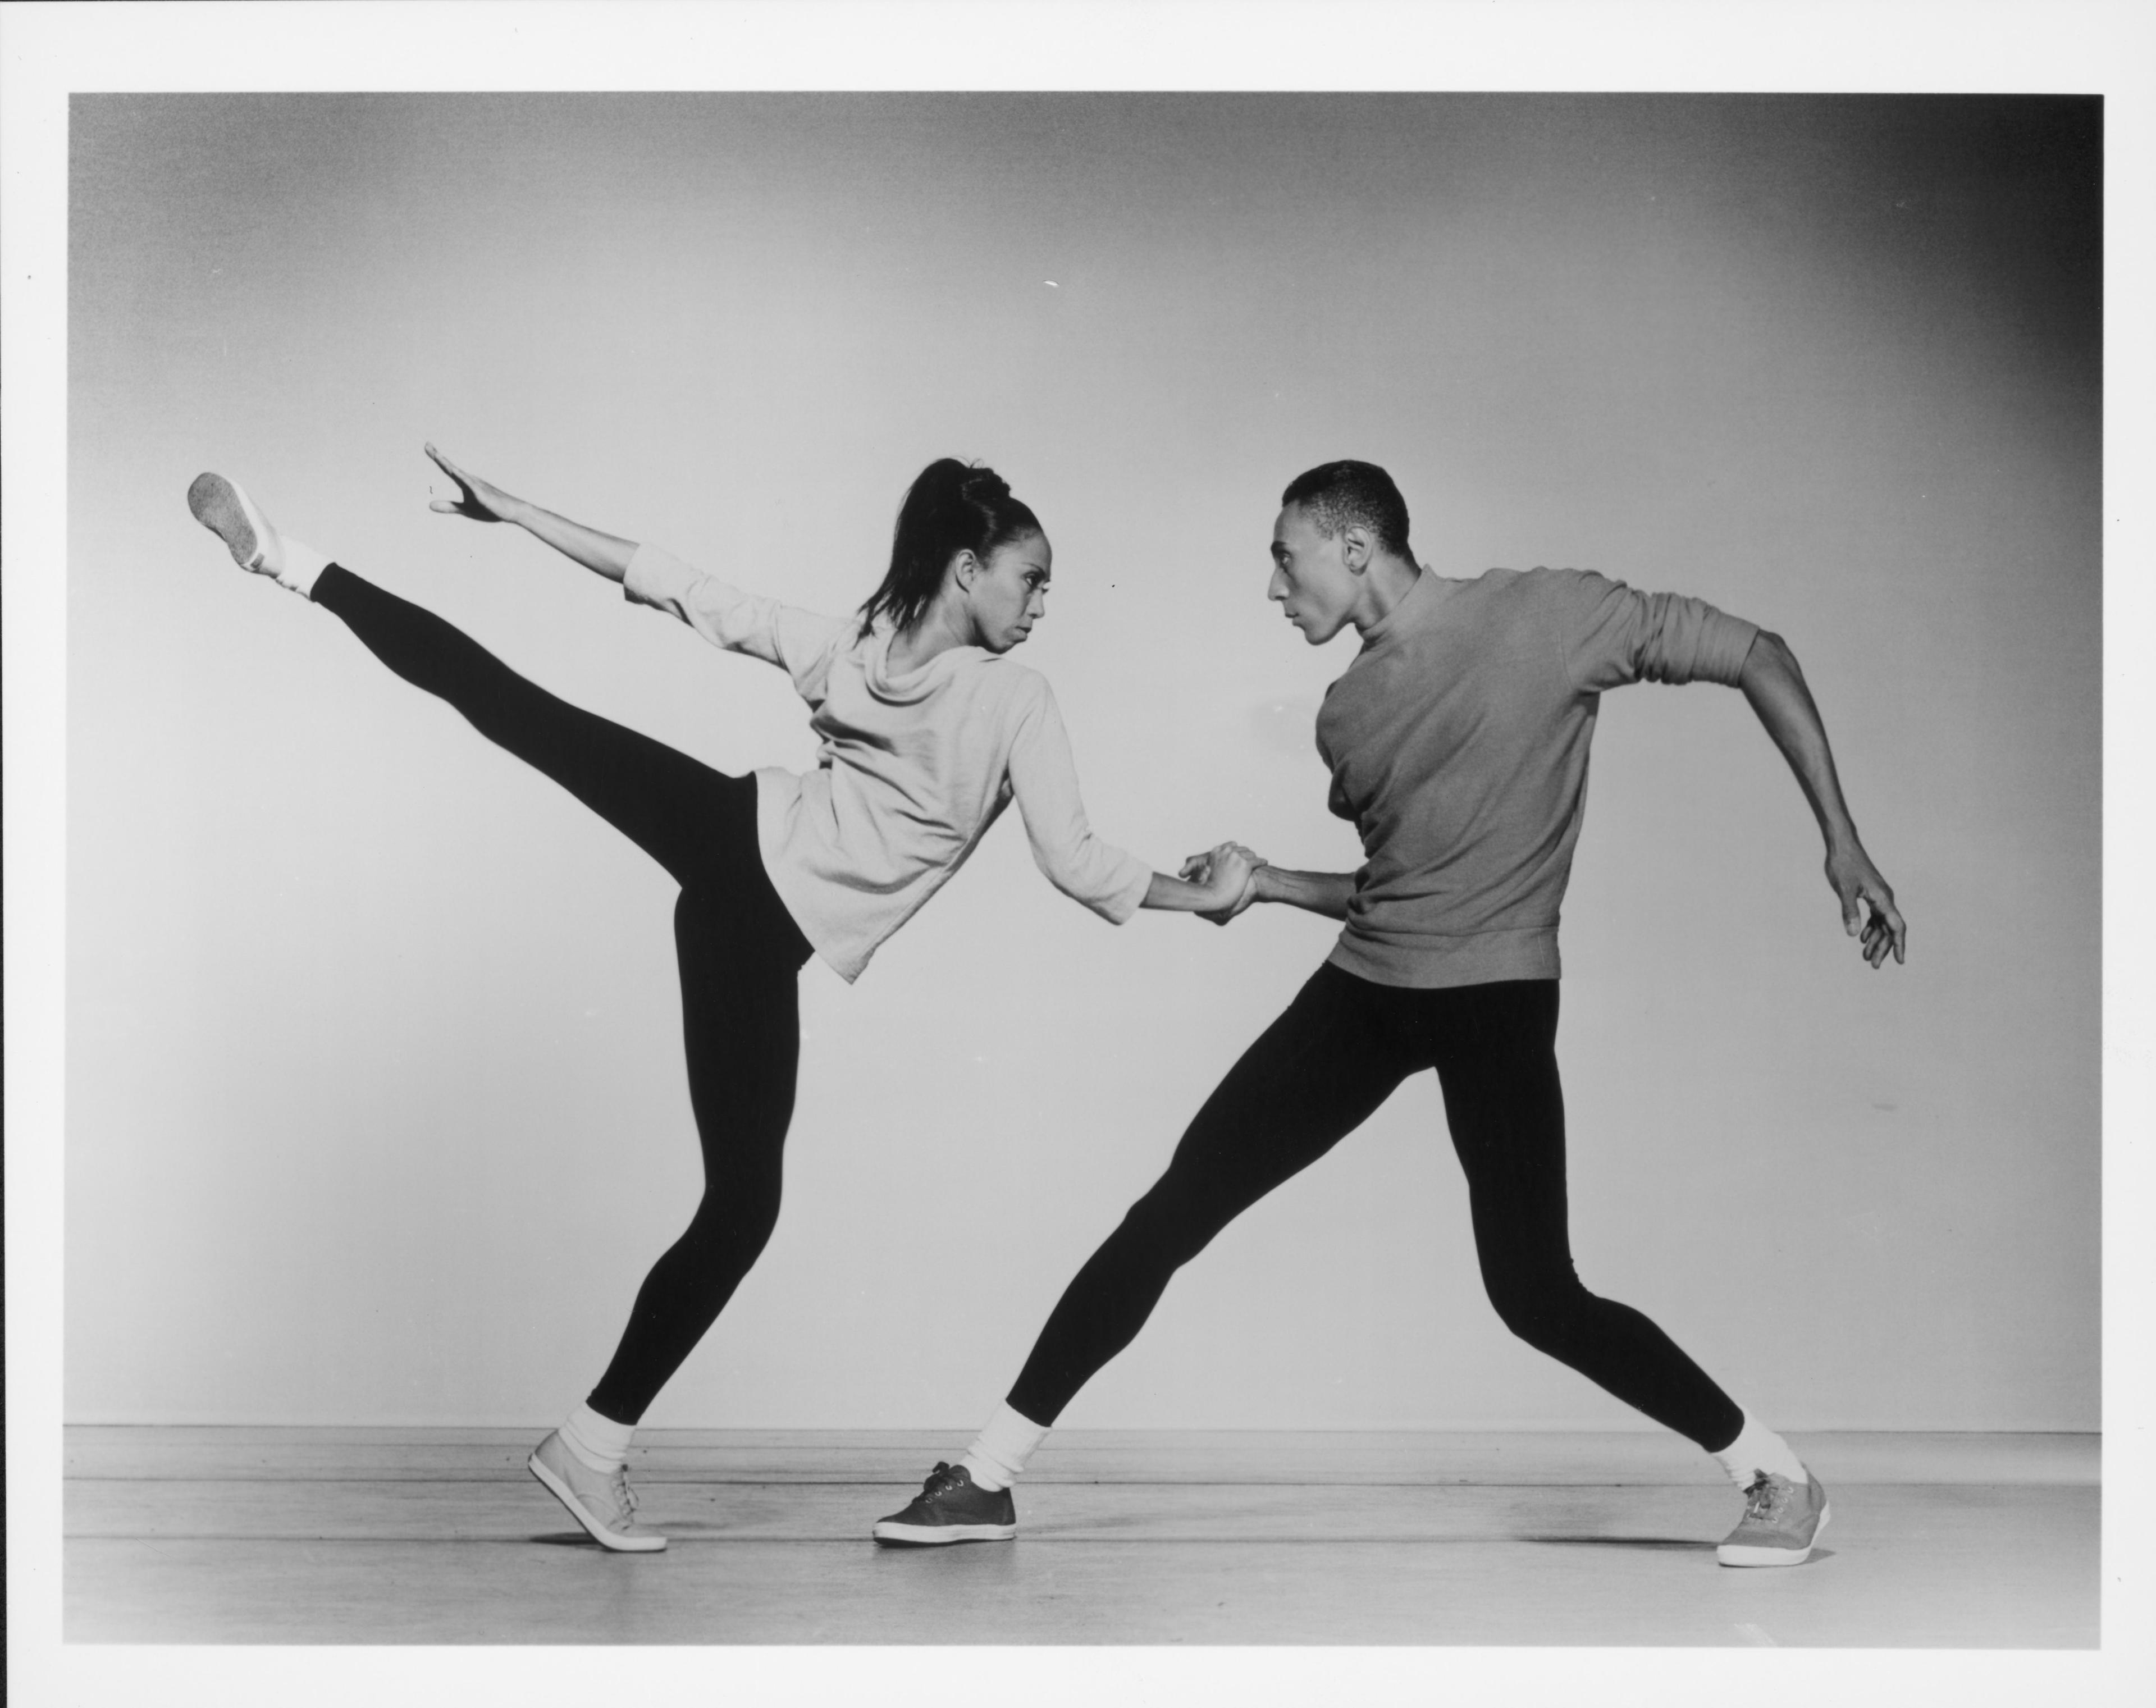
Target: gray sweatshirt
1458	743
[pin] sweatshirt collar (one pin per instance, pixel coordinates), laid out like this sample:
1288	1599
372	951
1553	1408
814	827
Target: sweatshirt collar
910	687
1429	589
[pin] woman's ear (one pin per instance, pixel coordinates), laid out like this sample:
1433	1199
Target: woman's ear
966	568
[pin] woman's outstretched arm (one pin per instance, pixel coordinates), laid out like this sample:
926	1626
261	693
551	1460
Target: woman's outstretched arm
483	501
799	642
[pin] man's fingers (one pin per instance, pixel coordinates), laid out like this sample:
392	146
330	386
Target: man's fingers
1886	933
1893	929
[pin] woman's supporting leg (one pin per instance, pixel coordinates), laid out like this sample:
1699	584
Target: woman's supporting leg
662	801
1314	1076
1495	1050
740	956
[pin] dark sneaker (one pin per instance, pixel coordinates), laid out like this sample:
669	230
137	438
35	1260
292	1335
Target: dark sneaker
1781	1520
950	1508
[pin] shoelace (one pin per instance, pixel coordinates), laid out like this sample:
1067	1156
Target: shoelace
944	1476
624	1496
1763	1498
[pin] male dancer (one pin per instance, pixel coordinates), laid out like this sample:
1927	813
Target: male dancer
1458	742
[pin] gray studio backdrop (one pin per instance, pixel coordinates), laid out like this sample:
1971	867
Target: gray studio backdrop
375	1112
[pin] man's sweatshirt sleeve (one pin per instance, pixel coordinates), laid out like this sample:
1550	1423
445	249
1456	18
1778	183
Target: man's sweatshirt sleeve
1614	634
799	642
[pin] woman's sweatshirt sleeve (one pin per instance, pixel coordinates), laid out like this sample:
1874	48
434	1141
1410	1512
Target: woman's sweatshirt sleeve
1615	634
800	643
1045	782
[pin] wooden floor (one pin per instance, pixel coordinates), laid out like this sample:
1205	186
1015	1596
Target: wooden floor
428	1536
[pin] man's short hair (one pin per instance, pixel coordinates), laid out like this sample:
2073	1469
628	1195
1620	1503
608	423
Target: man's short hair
1340	495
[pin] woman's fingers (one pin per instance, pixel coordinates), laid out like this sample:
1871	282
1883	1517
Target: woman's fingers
467	486
474	499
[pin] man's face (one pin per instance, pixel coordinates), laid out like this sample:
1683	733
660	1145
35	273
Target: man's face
1311	581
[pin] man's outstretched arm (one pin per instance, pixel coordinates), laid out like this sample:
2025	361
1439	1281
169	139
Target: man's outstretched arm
1775	686
1328	893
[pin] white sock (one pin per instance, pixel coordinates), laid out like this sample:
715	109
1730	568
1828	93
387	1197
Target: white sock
1758	1448
999	1452
600	1442
302	564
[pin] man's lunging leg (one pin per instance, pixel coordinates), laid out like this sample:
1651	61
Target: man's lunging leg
1314	1076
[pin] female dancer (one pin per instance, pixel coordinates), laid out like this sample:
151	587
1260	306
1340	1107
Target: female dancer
929	730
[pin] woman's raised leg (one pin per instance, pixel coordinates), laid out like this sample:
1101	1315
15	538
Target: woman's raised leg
662	800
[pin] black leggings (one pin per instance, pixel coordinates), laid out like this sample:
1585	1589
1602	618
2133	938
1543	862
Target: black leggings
1317	1073
738	948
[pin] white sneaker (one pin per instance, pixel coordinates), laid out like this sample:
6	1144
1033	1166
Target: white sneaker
603	1503
1781	1520
228	513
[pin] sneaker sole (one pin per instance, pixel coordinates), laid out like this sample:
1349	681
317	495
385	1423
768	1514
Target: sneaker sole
600	1534
937	1535
219	506
1727	1555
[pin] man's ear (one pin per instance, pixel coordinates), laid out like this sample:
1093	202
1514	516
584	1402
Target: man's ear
1355	546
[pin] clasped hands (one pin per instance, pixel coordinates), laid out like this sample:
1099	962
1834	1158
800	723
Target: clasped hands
1232	869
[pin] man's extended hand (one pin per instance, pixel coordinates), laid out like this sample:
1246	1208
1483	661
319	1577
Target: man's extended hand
1234	868
1857	885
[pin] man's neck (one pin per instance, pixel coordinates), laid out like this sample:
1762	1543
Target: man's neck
1389	580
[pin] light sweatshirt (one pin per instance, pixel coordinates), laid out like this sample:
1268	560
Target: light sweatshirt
913	770
1458	742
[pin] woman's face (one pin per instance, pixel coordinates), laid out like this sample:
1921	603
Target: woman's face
1007	595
